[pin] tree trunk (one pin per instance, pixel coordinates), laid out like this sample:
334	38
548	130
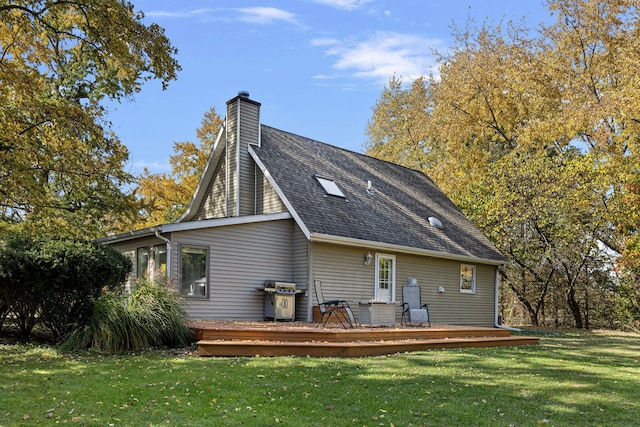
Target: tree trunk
586	310
574	306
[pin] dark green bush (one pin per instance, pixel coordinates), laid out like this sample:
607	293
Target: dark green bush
151	316
55	281
20	284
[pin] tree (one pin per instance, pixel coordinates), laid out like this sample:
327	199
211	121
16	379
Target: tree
61	166
548	115
165	197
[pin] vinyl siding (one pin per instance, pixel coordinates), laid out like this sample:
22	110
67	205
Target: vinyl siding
231	159
241	258
450	307
267	200
249	134
214	203
301	272
345	276
129	249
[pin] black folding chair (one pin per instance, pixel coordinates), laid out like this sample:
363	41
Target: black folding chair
338	308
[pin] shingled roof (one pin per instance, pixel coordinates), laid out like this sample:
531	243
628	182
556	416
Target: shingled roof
395	211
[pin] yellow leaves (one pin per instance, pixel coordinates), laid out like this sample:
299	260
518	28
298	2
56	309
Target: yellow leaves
166	196
61	166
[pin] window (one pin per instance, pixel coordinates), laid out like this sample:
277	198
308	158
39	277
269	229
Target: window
142	262
160	260
194	282
330	186
468	279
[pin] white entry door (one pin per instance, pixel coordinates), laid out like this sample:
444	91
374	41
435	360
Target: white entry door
385	277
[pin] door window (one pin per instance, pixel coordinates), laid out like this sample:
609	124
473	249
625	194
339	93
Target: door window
385	277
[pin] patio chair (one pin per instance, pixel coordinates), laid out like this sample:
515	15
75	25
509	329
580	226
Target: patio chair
412	309
338	308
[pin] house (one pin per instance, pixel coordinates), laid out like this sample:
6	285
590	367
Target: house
275	205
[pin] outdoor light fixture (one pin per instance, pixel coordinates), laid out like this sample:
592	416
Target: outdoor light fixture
367	258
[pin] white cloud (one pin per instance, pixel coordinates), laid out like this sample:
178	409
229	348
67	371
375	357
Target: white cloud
252	15
384	55
344	4
154	167
265	15
324	42
180	14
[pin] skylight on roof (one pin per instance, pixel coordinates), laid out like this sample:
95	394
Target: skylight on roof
330	186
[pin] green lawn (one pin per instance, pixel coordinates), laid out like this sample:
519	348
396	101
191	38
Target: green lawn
585	379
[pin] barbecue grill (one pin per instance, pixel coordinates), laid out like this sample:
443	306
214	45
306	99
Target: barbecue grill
279	300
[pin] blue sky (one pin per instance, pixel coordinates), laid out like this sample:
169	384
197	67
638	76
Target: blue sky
317	66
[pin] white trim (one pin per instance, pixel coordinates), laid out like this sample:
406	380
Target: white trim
393	276
221	222
380	246
280	194
226	167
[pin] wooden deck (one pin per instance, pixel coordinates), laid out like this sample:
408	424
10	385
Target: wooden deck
305	339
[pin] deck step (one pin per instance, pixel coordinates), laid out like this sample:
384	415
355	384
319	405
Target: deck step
350	348
339	334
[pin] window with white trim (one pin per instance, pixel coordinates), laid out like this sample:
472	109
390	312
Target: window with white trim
467	279
194	280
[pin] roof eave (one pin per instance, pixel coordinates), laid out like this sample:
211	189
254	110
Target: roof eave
193	225
123	237
381	246
221	222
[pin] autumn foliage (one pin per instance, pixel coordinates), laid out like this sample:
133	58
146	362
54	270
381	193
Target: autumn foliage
534	133
62	169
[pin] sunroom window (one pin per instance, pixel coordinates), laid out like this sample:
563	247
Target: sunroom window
142	262
194	282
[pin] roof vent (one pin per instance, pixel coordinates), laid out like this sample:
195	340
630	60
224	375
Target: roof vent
243	94
435	222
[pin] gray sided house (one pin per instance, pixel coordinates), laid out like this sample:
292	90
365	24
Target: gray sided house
272	205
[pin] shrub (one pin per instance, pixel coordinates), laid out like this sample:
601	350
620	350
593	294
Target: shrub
151	316
20	284
55	281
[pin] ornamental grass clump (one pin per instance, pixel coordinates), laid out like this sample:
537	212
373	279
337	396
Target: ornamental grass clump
149	317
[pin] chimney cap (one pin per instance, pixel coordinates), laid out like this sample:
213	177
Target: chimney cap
243	94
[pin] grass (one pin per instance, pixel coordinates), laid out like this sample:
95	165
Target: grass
575	379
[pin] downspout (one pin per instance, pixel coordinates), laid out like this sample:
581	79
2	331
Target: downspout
496	323
168	242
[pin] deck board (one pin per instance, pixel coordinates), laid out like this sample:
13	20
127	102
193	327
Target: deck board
277	339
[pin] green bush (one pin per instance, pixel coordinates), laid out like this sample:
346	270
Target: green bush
55	281
151	316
